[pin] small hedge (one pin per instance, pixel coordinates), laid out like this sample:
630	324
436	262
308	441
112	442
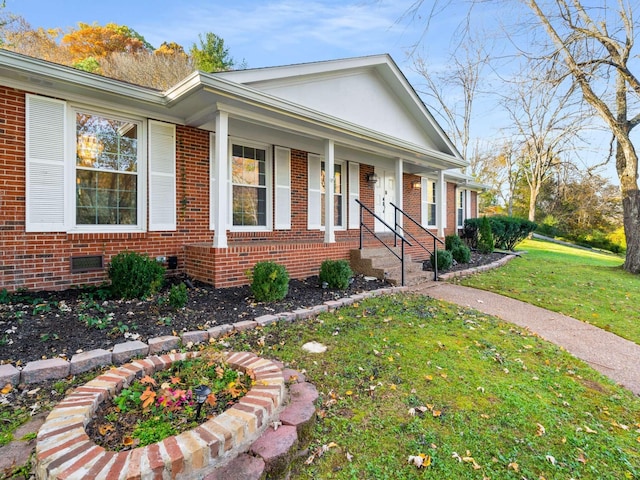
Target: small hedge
445	259
485	237
178	296
452	241
337	273
134	275
507	231
461	253
270	282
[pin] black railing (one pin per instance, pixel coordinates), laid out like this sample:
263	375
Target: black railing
396	236
436	240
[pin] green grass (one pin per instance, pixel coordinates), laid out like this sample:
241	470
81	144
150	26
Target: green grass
507	404
586	285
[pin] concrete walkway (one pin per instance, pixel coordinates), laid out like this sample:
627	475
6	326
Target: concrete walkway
613	356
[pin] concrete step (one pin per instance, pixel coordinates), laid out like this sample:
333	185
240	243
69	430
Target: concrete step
413	278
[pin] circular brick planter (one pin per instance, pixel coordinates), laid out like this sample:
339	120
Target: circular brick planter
64	450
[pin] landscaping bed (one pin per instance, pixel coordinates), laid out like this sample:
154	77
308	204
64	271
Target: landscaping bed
41	325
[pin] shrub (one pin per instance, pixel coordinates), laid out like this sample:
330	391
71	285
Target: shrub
134	275
445	260
461	254
452	241
507	231
178	296
337	273
270	282
485	237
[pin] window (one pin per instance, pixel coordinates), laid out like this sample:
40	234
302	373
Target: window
431	203
338	197
460	207
106	170
249	180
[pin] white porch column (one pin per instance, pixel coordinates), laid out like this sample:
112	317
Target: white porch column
221	174
329	189
399	189
467	207
441	200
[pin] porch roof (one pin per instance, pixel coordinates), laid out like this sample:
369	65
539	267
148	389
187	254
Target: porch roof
195	100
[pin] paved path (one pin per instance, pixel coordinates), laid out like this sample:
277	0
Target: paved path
613	356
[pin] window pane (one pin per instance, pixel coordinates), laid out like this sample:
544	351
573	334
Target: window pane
105	143
249	206
431	215
337	210
104	198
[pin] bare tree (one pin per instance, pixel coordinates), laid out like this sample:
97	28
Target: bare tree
545	123
595	45
452	90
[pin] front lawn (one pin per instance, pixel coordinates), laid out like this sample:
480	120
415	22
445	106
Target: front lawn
584	284
461	391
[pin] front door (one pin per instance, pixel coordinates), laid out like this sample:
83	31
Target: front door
385	193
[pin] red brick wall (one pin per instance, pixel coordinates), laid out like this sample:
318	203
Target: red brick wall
42	260
451	210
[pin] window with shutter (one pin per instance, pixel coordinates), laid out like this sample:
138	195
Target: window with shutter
429	202
282	188
162	176
45	164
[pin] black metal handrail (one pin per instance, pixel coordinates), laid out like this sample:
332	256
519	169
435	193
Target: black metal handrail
436	240
396	236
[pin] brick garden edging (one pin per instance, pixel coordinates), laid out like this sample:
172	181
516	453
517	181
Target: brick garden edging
64	450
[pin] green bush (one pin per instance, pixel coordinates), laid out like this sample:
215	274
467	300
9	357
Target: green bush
445	260
452	241
178	296
337	273
134	275
270	282
461	253
507	231
485	237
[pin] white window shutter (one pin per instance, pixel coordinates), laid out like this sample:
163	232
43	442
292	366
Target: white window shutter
424	202
354	194
162	176
315	195
283	188
45	164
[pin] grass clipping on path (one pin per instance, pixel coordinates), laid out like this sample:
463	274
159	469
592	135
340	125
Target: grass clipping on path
412	388
587	285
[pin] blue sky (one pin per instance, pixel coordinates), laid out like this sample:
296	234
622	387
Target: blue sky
279	32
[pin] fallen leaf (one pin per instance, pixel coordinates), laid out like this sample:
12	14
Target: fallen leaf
428	378
588	430
551	459
147	397
127	441
581	458
7	388
349	457
105	428
541	430
436	413
513	466
147	379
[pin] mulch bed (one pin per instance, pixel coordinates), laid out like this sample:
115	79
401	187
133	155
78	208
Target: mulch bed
41	325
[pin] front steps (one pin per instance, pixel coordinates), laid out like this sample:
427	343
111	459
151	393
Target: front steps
382	264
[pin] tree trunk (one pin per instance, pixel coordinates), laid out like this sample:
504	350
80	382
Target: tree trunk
631	212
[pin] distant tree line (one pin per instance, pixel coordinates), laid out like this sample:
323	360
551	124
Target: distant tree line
115	51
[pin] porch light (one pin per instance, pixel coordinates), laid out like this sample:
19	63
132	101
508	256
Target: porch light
416	184
372	178
201	392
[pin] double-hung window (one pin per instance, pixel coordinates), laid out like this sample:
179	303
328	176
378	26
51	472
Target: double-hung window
338	193
106	170
461	200
250	192
430	202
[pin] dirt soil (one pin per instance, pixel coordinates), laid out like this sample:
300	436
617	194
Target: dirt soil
40	325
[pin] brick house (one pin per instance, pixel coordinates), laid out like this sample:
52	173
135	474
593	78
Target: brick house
216	173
